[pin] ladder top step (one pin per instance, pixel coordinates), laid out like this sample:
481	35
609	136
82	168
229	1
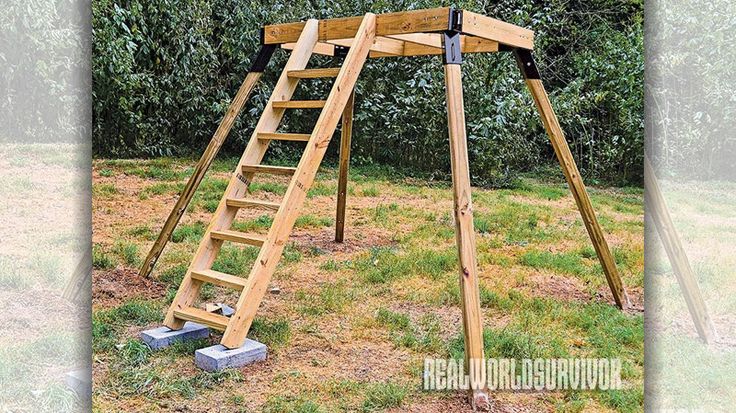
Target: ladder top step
220	278
252	203
314	73
255	240
216	321
284	136
269	169
299	104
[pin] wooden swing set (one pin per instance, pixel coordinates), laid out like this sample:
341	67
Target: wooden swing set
448	32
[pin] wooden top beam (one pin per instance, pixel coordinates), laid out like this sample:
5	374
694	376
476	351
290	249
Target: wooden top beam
412	28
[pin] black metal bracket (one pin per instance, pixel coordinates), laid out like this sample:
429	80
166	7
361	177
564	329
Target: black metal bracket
455	23
526	63
263	57
341	51
452	51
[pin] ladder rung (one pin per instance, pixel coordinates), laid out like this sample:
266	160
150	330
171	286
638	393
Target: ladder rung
212	320
252	203
299	104
284	136
240	237
269	169
220	278
314	73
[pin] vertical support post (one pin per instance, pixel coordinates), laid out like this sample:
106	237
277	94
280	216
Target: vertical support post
342	179
676	254
254	75
463	208
572	174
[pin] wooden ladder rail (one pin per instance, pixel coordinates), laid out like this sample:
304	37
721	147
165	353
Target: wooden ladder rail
296	193
250	82
572	175
238	185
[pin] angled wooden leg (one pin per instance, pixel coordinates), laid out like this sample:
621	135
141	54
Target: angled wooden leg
574	181
254	75
676	254
463	206
342	179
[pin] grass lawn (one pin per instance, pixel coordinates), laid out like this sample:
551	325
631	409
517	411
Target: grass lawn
353	321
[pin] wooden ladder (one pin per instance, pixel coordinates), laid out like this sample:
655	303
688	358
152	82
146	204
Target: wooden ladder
272	244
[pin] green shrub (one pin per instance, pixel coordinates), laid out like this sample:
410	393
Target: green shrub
164	73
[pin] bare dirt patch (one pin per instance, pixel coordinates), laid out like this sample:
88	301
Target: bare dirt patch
112	288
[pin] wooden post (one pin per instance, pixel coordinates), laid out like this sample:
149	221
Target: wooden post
680	264
574	181
463	208
77	289
342	179
254	75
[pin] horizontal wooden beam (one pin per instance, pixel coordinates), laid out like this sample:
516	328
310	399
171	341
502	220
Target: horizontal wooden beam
415	21
492	29
415	32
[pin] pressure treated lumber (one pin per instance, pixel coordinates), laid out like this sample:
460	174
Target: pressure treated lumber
212	320
314	73
199	171
219	278
660	215
283	222
299	104
346	133
300	137
238	185
252	203
464	233
575	182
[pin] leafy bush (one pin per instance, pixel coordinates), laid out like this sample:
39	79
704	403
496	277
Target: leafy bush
164	72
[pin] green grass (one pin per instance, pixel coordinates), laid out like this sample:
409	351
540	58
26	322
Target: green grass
370	191
235	260
381	396
143	232
102	260
383	265
565	262
331	298
128	251
104	190
273	333
263	222
292	404
108	324
270	187
312	221
422	336
322	189
188	232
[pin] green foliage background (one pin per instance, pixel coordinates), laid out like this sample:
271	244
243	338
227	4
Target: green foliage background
164	72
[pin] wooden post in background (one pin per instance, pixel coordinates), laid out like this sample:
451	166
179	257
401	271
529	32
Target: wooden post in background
254	75
463	208
574	181
676	254
342	180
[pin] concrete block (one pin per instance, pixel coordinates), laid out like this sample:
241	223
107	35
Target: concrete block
219	357
161	337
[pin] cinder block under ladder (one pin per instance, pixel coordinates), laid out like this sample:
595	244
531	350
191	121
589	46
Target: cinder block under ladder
253	287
